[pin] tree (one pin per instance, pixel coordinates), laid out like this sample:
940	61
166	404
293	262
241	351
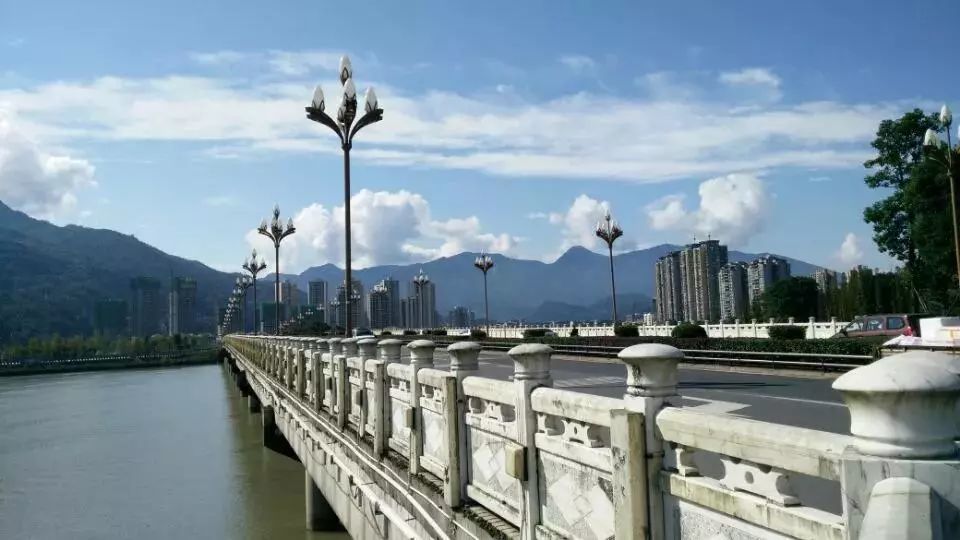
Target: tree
913	223
793	297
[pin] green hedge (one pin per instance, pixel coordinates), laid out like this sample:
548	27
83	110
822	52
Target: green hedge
534	332
688	331
476	333
626	330
787	332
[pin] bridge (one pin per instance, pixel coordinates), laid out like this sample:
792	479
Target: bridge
394	447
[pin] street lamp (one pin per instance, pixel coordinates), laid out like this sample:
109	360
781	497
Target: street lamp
255	267
419	282
277	233
608	230
244	283
933	142
346	129
484	263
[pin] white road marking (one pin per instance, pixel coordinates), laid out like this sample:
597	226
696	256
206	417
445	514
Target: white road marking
715	405
781	398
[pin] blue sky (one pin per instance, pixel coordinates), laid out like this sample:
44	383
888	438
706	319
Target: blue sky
509	126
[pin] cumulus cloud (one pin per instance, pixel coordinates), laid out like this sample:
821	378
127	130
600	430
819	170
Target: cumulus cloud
849	253
580	135
578	62
731	208
579	222
39	183
387	228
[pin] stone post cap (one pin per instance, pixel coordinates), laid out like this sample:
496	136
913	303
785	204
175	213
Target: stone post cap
464	355
390	349
421	352
321	345
651	369
335	346
531	361
904	406
349	346
367	347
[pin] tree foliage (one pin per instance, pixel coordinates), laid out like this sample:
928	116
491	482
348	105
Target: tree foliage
792	297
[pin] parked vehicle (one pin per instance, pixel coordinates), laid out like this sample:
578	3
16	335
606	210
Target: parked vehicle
889	324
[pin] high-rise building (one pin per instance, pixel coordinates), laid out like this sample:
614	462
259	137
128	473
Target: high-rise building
146	306
290	296
182	306
338	306
826	280
699	267
421	306
460	317
764	272
379	307
317	294
668	288
734	299
268	316
110	318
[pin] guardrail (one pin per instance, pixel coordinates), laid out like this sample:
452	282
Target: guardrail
31	364
766	359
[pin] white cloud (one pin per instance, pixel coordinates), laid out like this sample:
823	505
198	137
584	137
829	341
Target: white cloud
579	222
217	58
578	62
538	215
582	135
39	183
818	179
751	77
387	228
849	253
220	201
732	209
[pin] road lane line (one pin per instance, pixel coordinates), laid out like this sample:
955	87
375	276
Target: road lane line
780	398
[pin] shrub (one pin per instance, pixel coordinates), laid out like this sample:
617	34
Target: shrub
787	332
476	333
437	332
688	331
534	332
626	330
409	332
386	333
574	332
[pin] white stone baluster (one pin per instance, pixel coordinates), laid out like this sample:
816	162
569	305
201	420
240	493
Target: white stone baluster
421	356
316	367
464	362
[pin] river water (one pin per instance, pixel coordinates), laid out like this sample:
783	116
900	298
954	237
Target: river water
147	454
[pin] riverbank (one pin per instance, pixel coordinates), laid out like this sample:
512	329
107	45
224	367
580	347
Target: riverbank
191	358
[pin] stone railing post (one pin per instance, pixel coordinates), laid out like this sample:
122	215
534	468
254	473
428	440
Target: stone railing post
389	352
628	450
289	358
464	362
350	348
531	370
301	358
316	377
651	386
367	351
753	322
903	467
421	356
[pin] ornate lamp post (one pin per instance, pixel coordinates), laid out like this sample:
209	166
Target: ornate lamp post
484	263
276	233
936	147
419	282
244	283
608	230
255	267
346	129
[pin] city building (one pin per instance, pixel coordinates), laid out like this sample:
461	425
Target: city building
290	296
421	306
317	294
764	272
379	307
668	290
734	298
649	319
827	280
699	270
182	308
268	316
460	317
338	307
110	318
146	306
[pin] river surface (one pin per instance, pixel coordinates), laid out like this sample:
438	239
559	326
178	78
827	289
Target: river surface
167	453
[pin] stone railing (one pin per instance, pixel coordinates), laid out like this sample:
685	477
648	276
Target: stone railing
555	463
737	329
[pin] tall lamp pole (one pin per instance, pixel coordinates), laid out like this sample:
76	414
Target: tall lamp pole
244	283
484	263
255	267
608	230
346	129
933	142
276	232
420	282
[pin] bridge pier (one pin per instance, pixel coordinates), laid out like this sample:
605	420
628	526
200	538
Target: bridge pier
273	439
320	515
253	402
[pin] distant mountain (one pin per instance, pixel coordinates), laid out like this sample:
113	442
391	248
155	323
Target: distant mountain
533	290
53	275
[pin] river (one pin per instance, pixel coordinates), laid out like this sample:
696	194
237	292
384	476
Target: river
148	454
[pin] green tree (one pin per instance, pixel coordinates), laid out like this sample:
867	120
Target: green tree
794	297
